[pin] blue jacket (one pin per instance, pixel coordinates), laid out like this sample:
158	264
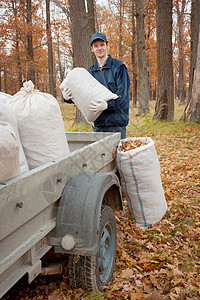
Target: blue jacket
114	76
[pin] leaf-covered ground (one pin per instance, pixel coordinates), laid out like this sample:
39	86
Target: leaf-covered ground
163	261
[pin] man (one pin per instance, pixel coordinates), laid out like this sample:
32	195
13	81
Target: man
113	74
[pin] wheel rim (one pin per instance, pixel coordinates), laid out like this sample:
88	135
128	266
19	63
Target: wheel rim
106	252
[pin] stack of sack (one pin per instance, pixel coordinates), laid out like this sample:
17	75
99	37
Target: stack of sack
85	88
40	124
9	151
12	158
12	153
5	98
140	179
32	131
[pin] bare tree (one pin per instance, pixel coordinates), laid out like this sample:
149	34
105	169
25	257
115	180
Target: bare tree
180	14
134	55
31	64
61	69
195	22
5	80
17	39
50	50
121	14
144	88
66	12
64	9
165	99
192	111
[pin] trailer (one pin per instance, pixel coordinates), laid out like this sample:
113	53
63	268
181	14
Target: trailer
65	206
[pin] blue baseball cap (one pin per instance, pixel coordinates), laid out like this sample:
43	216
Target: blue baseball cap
98	36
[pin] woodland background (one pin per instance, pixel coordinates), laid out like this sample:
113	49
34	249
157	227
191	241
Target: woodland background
157	40
41	43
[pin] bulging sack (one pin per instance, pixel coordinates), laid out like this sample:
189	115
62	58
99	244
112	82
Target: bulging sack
140	179
5	98
85	88
40	124
8	116
9	152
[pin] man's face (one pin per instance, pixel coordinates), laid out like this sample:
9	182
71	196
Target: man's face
99	48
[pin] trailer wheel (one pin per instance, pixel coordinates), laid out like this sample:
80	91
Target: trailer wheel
93	272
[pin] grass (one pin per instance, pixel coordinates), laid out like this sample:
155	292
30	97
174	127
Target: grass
138	126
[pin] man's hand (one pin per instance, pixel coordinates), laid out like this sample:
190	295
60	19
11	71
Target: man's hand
98	106
67	94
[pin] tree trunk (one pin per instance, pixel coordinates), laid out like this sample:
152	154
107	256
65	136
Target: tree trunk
31	64
91	17
50	50
64	9
164	109
180	14
133	55
144	89
17	46
91	21
61	71
18	61
192	112
80	39
195	22
5	80
0	80
120	28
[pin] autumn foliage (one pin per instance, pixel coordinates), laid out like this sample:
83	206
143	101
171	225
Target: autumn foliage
161	262
115	20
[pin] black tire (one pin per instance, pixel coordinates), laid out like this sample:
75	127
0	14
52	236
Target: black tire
93	272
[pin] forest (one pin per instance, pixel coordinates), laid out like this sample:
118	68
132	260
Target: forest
157	40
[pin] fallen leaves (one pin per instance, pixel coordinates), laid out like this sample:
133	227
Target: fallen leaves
131	144
162	262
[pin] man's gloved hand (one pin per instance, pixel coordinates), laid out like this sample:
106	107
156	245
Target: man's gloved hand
67	94
98	106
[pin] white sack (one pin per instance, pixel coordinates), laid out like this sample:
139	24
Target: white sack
40	124
7	115
5	98
139	171
85	88
9	152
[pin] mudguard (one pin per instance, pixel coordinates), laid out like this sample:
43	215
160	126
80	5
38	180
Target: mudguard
80	208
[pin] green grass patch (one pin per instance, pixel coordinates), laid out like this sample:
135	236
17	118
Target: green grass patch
145	126
80	127
139	125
